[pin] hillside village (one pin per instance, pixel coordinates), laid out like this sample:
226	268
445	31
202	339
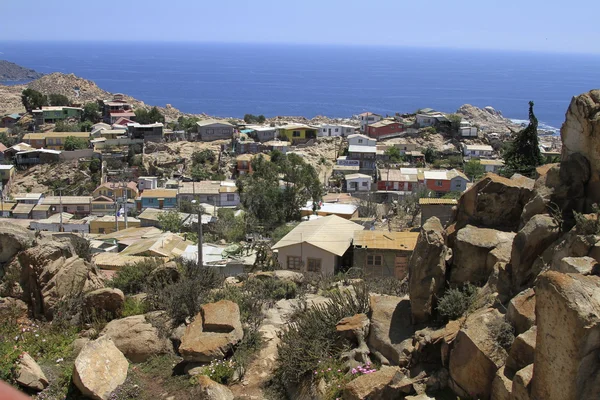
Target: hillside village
177	249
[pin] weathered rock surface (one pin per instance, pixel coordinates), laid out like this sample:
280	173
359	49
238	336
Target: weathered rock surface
537	205
521	383
571	244
521	311
474	357
99	369
354	328
471	252
531	241
494	202
213	333
51	272
13	239
11	308
580	133
212	390
373	386
501	386
282	275
105	301
390	335
522	351
427	270
579	265
136	338
568	332
29	374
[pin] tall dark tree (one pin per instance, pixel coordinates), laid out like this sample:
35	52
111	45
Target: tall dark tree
56	99
91	112
144	116
33	99
524	155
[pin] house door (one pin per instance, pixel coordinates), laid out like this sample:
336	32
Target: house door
401	267
329	131
395	185
161	203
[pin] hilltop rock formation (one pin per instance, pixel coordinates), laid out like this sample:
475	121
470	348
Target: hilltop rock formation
488	119
13	72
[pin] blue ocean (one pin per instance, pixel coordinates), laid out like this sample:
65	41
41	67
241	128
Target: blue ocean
230	80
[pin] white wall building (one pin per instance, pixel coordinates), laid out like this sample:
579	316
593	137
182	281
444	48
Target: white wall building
328	130
147	182
368	118
478	150
467	130
358	183
358	139
492	165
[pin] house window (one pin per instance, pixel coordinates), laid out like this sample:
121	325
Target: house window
458	183
336	129
64	209
100	230
438	183
294	262
210	131
110	193
79	208
296	134
314	265
360	141
230	197
364	184
209	199
374	260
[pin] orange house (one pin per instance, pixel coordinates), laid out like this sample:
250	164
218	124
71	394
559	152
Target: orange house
244	162
437	181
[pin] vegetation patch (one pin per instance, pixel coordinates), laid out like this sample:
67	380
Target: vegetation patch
457	301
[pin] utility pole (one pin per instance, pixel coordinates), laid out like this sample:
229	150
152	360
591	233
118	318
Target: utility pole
125	202
60	229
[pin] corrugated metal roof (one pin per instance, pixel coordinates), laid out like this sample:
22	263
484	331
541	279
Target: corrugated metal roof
437	201
354	148
208	122
56	200
155	193
332	233
383	240
23	208
116	260
357	176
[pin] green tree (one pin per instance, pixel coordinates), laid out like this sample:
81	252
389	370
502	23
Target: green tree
75	143
56	99
65	126
524	155
261	119
205	156
394	154
455	120
430	155
91	112
95	165
144	116
32	99
170	221
474	169
187	124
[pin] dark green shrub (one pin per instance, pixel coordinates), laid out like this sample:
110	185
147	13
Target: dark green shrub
132	279
310	336
503	334
133	307
455	302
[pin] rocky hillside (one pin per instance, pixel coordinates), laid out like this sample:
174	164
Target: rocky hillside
13	72
488	119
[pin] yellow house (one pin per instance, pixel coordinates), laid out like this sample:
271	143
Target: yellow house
107	224
296	132
56	140
116	189
6	173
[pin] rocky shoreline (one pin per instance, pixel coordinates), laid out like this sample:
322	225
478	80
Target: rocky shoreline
11	72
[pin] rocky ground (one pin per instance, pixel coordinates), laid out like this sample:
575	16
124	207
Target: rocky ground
72	175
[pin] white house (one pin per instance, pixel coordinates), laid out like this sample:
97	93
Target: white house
428	117
467	130
263	133
492	165
358	139
327	130
368	118
478	150
358	183
147	182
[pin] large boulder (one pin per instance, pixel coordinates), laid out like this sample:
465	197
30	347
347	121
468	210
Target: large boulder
521	311
568	337
354	328
474	357
13	239
99	369
105	301
374	386
472	248
522	351
29	374
494	202
427	270
51	272
212	390
501	386
390	335
137	338
580	134
531	241
522	383
579	265
213	333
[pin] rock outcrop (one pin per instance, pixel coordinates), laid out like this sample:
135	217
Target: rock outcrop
427	270
374	386
213	333
105	301
567	343
390	336
212	390
473	259
474	357
579	265
531	241
521	311
29	374
522	351
99	369
494	202
51	272
580	134
136	338
13	239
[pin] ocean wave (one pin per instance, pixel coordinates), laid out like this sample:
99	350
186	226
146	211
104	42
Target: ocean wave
541	126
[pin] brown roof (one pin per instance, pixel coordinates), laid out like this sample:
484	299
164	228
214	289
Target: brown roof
383	240
117	185
168	193
23	208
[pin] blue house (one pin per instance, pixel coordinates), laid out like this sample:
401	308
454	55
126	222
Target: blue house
158	198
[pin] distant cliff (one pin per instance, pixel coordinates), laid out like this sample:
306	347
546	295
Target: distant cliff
13	72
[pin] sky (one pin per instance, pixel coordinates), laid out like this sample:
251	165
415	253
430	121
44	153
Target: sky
526	25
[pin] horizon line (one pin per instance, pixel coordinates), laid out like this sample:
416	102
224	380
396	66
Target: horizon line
301	44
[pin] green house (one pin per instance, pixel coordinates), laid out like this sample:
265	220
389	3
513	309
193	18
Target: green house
53	114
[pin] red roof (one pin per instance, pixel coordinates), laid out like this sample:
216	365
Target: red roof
123	121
